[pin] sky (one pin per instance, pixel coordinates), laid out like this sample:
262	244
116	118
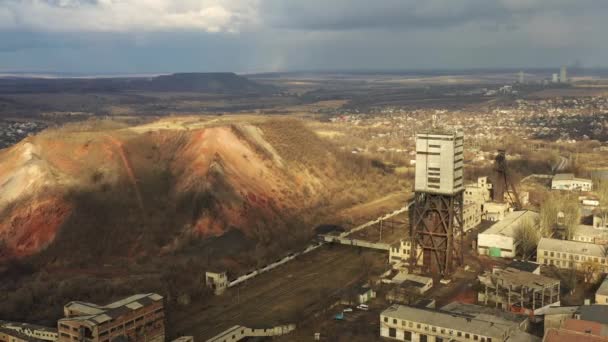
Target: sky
247	36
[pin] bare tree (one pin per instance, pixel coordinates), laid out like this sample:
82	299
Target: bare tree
602	193
559	215
526	237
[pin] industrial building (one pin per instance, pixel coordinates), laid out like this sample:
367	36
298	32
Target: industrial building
495	211
585	233
471	216
518	291
601	295
407	323
479	192
400	255
568	182
436	223
137	318
498	240
570	254
8	335
439	162
31	330
216	281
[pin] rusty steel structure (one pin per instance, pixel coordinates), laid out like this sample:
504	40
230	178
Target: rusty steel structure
437	227
436	215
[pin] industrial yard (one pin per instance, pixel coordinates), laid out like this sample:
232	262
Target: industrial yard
295	292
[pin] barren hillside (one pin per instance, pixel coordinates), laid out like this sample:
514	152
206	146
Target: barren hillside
102	191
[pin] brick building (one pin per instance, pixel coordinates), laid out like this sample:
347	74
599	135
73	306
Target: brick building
136	318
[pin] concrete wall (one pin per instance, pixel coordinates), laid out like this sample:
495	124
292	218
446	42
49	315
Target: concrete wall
505	243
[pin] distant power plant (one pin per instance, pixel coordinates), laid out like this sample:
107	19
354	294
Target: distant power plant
563	75
437	213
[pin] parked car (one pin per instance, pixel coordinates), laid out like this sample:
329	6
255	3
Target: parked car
363	307
348	310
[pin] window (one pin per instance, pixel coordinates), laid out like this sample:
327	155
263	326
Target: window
459	334
467	336
551	254
475	337
546	253
386	319
418	325
434	329
394	321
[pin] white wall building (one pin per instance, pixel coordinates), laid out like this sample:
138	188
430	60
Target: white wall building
439	162
494	211
399	255
479	192
570	254
498	240
567	181
471	216
406	323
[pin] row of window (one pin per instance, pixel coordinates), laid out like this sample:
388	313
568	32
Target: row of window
576	257
439	330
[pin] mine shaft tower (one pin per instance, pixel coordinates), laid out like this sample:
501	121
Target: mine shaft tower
436	220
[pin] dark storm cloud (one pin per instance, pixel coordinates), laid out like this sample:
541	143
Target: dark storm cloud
413	14
271	35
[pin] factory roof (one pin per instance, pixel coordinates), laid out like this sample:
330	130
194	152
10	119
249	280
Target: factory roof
525	266
561	310
95	314
449	320
583	326
440	133
590	231
573	247
506	226
568	177
594	313
561	335
516	279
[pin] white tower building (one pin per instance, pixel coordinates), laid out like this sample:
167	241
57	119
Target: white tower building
439	162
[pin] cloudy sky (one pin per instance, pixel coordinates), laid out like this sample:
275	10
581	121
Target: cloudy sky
153	36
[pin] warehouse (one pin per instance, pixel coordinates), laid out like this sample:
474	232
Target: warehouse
567	181
498	240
